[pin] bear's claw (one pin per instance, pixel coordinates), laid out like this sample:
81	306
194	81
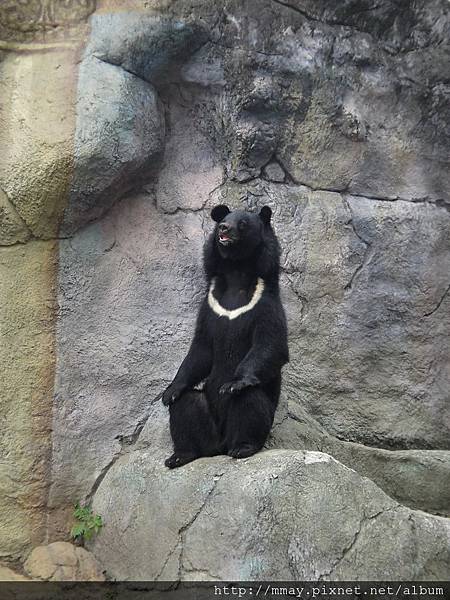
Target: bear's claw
171	394
233	387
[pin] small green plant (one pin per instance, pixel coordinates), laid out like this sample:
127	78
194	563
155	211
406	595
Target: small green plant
86	523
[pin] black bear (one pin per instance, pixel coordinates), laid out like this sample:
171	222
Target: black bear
239	346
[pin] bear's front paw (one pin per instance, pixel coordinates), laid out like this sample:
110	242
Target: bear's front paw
172	393
226	388
243	451
179	459
234	387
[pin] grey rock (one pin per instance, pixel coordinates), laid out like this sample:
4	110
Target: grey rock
150	46
360	103
278	515
396	27
419	479
120	129
274	172
205	68
118	141
191	169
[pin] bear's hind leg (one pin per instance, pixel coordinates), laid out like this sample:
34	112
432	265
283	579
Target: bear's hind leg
250	418
193	431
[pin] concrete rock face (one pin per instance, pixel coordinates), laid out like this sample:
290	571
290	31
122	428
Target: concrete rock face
337	117
374	294
417	478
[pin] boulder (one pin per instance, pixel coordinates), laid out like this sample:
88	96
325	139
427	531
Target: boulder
290	515
61	561
419	479
8	574
148	44
118	141
120	130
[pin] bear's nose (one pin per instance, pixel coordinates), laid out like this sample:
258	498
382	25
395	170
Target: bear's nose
223	227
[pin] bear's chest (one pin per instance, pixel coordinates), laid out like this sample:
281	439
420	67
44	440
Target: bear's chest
233	312
231	301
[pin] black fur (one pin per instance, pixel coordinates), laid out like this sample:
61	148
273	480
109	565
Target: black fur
240	360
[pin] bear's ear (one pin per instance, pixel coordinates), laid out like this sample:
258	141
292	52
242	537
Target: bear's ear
219	212
265	213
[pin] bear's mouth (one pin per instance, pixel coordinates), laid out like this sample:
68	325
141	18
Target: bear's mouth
225	239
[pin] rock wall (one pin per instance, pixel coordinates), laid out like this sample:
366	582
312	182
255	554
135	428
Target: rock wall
37	122
141	118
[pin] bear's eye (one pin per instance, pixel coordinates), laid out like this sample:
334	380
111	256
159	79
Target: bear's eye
242	225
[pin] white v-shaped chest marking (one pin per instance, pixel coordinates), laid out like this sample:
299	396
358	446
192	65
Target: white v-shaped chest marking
233	314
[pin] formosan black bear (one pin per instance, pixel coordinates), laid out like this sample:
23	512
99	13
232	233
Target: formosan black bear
239	346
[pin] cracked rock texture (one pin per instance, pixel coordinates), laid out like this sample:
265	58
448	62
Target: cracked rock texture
280	514
334	114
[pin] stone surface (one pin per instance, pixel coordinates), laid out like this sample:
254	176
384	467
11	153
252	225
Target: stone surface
120	129
27	281
278	515
419	479
145	44
38	123
12	227
118	140
191	169
363	104
7	574
274	172
61	561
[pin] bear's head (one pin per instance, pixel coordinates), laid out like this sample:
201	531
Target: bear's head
242	240
238	233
